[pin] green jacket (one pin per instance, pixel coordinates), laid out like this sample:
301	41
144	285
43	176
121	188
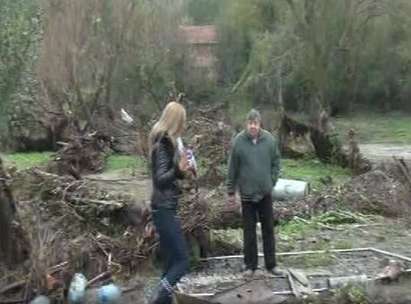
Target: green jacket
253	168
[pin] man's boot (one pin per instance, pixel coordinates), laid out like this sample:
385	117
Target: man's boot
161	295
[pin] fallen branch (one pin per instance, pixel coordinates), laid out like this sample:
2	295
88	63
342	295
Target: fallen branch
94	201
68	187
116	180
402	166
57	267
14	301
101	276
131	288
317	223
45	174
12	286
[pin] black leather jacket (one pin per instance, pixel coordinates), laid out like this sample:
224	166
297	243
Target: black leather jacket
165	172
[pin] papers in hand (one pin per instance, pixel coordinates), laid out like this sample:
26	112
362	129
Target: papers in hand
188	152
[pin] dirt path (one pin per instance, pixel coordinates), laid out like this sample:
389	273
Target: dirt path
378	153
136	185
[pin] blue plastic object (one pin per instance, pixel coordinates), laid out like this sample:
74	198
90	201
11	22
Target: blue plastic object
109	294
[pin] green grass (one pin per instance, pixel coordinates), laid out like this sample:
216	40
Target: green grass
118	162
312	171
32	159
392	127
310	260
308	170
293	231
27	160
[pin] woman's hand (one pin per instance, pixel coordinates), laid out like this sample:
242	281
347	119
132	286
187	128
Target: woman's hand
232	204
183	164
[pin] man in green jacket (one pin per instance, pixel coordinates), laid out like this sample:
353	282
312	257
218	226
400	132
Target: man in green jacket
253	169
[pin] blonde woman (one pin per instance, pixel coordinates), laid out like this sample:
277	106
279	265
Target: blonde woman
167	165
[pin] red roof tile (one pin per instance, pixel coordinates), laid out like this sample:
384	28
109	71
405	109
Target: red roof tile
205	34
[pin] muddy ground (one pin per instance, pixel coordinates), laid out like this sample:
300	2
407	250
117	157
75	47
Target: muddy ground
386	234
390	234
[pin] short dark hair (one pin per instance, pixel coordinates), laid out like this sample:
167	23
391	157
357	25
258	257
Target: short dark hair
254	115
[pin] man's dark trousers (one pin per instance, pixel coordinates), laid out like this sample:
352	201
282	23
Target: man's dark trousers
263	210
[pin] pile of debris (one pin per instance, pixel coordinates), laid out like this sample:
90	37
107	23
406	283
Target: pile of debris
210	138
77	226
81	155
74	226
374	192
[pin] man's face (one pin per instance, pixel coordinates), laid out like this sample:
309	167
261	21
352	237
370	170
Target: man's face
253	127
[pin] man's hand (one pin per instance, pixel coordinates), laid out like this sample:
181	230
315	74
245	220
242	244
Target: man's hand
231	203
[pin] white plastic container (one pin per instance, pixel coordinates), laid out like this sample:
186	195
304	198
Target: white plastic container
77	289
40	300
289	189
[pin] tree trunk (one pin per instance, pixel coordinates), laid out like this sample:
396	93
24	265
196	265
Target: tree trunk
7	212
326	146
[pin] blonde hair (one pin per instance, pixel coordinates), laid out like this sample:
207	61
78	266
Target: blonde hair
172	122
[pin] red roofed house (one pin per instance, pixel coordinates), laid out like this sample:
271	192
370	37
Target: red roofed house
201	42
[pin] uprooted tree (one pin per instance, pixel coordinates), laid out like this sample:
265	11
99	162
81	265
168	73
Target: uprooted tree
94	58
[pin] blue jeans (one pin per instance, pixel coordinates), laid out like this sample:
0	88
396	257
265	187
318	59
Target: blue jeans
173	246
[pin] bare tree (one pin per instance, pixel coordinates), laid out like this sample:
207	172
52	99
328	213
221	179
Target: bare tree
97	54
